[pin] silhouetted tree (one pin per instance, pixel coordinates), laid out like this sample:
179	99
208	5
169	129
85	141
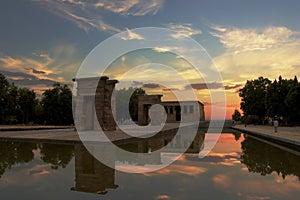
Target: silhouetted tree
280	100
273	102
277	93
12	107
253	96
236	116
20	105
133	103
39	112
17	105
292	102
4	85
284	86
57	105
125	96
26	102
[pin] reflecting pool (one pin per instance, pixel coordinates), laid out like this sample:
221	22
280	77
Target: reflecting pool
238	167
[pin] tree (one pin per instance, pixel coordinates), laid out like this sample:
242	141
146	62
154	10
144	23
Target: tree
253	98
57	105
292	102
283	89
236	116
123	110
4	86
133	103
273	101
38	112
26	103
280	100
20	105
16	104
276	94
12	107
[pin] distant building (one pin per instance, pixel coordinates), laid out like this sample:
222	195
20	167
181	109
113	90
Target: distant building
186	111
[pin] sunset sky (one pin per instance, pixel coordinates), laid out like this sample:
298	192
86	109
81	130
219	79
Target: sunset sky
45	41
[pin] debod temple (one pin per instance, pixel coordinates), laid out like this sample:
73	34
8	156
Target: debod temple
92	107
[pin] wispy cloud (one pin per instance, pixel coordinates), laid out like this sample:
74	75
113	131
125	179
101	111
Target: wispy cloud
17	75
37	71
230	87
151	85
195	86
162	49
27	80
59	65
137	83
252	39
131	35
131	7
27	65
88	15
218	28
204	86
249	53
213	85
173	49
183	30
82	13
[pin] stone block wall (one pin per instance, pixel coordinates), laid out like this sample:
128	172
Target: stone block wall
94	100
103	103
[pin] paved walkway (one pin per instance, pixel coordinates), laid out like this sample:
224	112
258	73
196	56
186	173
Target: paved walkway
71	136
287	135
32	127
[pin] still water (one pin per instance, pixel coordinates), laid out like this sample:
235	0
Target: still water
238	167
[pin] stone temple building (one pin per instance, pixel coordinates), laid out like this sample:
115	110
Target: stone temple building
185	111
94	100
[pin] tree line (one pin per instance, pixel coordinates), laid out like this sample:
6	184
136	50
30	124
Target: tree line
13	153
127	103
263	100
21	106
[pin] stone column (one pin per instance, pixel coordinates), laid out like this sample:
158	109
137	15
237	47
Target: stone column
103	102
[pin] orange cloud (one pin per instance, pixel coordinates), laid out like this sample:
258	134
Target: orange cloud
163	197
222	180
180	169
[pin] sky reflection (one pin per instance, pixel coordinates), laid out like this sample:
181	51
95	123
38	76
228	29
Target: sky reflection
239	167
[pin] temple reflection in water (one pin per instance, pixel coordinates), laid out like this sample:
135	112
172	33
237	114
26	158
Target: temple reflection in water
92	176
